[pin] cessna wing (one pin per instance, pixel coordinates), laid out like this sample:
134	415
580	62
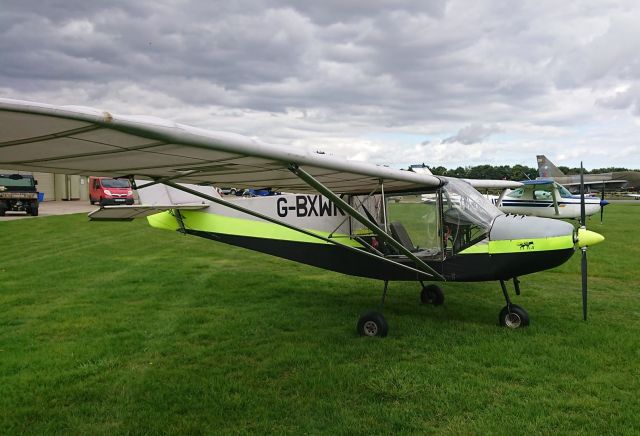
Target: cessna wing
86	141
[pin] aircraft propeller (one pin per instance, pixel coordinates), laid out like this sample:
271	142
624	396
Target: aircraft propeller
583	226
584	240
602	203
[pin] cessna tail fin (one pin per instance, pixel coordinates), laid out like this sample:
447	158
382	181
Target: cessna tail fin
546	168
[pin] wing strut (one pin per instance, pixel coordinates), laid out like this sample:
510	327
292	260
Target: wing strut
292	227
555	199
346	207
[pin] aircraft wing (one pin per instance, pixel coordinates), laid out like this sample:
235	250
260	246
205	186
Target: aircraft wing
493	184
86	141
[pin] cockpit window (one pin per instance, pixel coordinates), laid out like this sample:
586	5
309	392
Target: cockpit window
542	194
516	193
564	192
467	216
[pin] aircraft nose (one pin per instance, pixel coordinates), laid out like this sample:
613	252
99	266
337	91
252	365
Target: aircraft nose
511	227
587	238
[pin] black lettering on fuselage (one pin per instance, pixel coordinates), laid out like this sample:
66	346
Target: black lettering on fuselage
301	206
281	207
307	206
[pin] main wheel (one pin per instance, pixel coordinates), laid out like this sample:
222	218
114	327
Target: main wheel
516	319
432	294
373	324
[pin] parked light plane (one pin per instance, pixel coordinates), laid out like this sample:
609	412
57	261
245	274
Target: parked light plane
338	219
546	198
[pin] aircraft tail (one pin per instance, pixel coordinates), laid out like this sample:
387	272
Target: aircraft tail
546	168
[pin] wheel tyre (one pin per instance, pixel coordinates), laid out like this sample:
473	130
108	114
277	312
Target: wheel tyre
101	202
373	324
517	319
2	211
91	200
34	211
432	294
232	192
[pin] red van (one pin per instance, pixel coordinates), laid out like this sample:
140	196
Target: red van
107	191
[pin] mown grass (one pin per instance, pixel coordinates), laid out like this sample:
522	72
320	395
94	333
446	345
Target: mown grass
120	328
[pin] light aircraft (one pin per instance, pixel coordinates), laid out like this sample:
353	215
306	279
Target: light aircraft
546	198
336	218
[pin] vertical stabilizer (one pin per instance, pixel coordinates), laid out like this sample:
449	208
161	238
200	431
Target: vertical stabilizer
546	168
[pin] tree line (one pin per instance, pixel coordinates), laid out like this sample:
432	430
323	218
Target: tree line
508	172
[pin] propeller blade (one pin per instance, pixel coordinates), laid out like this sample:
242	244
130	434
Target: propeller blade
583	219
584	283
602	203
583	224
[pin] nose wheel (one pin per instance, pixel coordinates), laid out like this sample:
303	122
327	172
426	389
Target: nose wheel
512	316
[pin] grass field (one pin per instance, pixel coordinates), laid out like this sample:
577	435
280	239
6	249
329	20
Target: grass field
109	328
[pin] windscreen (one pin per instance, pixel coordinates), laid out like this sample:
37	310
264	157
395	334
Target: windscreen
14	181
564	192
466	215
115	183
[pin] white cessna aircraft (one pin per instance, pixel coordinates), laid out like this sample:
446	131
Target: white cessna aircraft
338	219
546	198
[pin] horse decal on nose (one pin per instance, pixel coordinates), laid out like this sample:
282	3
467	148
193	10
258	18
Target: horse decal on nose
527	245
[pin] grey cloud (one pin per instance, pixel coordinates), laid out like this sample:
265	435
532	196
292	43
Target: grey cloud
472	134
354	67
627	99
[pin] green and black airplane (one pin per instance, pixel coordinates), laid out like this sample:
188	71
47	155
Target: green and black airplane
319	210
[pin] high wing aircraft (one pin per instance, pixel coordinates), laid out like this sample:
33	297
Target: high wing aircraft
546	198
336	218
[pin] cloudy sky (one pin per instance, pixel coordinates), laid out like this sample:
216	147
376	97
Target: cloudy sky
445	82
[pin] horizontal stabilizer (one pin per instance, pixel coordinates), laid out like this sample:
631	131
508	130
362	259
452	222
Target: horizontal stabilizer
128	213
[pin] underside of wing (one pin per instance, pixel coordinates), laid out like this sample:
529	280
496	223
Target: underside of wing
128	213
85	141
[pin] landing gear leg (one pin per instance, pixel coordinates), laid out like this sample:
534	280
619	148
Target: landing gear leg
512	316
373	323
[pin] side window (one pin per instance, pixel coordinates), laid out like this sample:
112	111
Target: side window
542	195
418	215
516	193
